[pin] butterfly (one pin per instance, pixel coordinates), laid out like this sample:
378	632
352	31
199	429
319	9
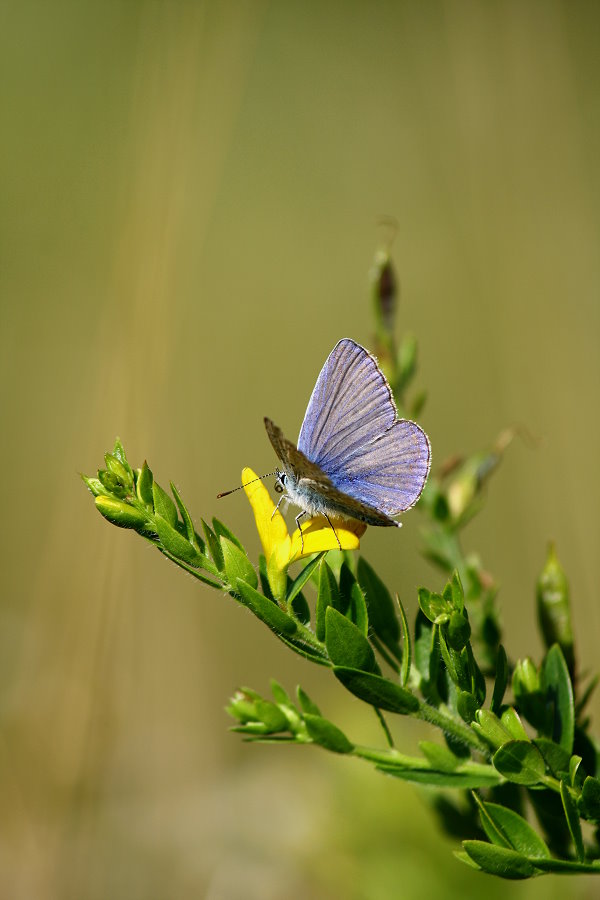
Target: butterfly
354	459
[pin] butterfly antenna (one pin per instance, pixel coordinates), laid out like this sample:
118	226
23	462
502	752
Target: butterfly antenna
252	480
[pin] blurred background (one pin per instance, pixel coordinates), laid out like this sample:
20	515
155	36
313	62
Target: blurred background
190	194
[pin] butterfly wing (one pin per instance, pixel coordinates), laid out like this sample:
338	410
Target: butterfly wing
352	433
311	477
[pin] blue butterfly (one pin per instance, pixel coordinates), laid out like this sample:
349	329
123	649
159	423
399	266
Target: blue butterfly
355	459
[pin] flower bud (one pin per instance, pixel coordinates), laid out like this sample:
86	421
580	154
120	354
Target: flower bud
526	679
554	613
385	292
121	514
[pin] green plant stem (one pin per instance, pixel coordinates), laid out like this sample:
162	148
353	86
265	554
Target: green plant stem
392	758
384	725
190	569
449	725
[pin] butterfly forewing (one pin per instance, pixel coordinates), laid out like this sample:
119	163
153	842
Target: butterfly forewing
351	432
351	405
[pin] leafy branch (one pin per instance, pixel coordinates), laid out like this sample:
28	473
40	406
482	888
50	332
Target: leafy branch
514	734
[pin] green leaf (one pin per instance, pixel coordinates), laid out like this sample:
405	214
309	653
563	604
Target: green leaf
119	453
271	716
326	734
346	644
572	817
377	691
280	695
574	764
187	521
328	595
491	728
556	681
458	780
267	611
458	594
300	580
499	861
459	631
176	544
434	606
521	762
264	577
506	828
306	704
214	546
163	505
555	756
406	645
143	486
511	721
501	680
300	609
352	599
221	530
237	565
380	606
589	803
466	706
439	757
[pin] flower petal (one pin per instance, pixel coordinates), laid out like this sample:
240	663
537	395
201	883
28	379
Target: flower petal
318	535
270	525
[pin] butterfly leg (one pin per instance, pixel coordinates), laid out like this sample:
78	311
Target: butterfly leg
281	499
333	529
298	526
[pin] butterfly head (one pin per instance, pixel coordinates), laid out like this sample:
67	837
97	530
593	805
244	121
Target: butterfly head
281	480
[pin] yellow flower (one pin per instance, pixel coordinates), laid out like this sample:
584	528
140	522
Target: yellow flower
279	548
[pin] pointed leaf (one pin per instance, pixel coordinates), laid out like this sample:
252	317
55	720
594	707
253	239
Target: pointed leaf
346	644
589	803
499	860
557	683
511	721
306	704
143	486
439	757
501	680
214	546
176	544
555	756
512	830
406	645
521	762
380	606
191	534
300	580
326	734
467	780
264	609
221	530
237	565
327	596
377	691
280	695
163	505
572	817
300	608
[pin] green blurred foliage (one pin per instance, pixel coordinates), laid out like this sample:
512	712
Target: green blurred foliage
190	194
